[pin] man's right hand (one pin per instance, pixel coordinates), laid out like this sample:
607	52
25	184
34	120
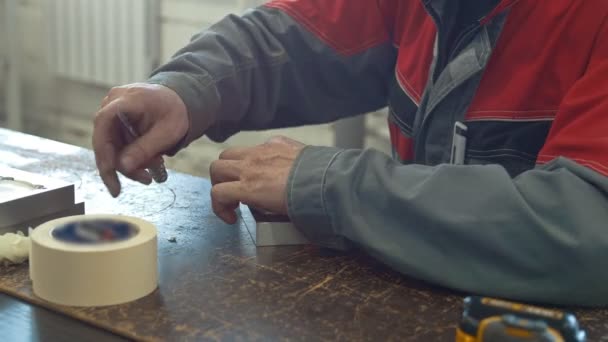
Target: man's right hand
156	112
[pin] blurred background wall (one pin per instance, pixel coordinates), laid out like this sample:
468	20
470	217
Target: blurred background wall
61	107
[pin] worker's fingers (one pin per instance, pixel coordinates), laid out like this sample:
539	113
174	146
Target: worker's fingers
154	162
105	101
151	143
108	174
132	106
145	148
107	128
141	176
283	140
105	155
222	171
225	198
235	153
107	142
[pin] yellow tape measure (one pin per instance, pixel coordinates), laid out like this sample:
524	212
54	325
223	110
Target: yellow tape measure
493	320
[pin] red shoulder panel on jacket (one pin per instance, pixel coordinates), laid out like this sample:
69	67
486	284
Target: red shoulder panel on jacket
347	26
543	50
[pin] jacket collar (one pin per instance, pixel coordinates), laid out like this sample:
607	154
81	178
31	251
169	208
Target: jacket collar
437	9
501	7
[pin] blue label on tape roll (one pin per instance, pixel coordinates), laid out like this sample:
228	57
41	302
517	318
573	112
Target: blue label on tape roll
95	231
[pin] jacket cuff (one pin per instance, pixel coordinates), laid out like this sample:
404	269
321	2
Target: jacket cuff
306	196
201	98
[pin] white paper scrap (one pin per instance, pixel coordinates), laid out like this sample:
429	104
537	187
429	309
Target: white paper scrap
14	247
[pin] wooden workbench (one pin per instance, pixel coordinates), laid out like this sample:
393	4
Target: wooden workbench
214	283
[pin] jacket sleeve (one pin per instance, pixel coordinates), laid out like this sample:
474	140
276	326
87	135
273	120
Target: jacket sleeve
287	63
541	237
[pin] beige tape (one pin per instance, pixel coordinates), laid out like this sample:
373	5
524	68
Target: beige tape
93	274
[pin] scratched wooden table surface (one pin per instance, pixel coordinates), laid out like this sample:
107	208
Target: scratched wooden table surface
215	285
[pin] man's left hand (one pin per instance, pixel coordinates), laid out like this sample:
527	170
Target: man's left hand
255	176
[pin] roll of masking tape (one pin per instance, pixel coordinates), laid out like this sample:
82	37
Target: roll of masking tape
94	260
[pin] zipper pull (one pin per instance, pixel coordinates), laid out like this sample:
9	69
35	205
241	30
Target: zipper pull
459	143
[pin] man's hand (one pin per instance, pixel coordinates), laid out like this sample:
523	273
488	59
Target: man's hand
156	112
255	176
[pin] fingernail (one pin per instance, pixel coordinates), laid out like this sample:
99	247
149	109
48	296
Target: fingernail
128	163
113	188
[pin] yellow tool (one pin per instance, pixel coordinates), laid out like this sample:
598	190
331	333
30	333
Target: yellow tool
493	320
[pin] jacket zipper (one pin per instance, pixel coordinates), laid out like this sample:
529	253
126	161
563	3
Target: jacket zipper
462	37
419	131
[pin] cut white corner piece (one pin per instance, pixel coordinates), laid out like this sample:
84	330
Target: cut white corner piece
278	234
76	209
25	196
274	230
